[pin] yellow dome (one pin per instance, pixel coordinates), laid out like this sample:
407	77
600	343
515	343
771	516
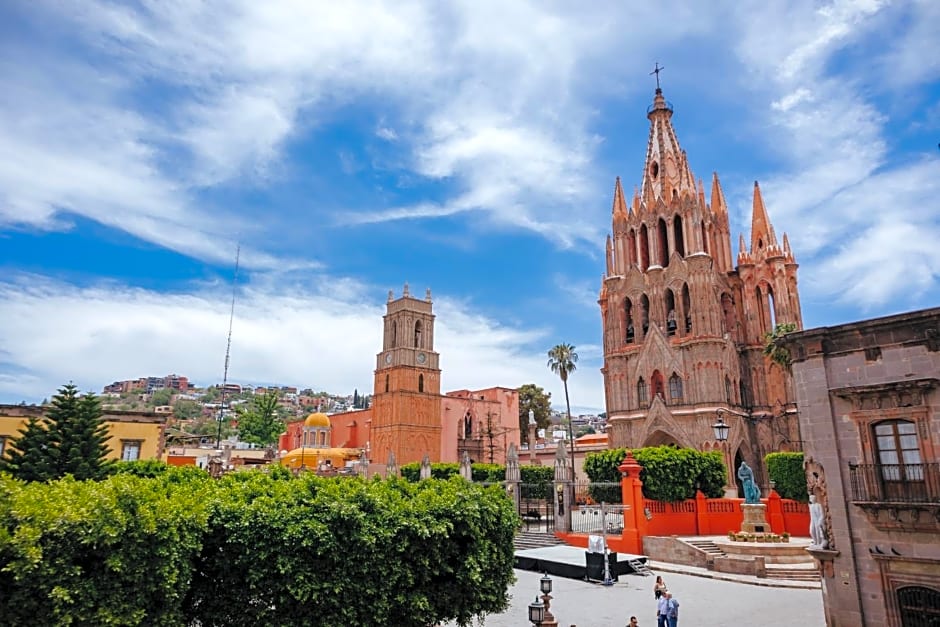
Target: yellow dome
317	420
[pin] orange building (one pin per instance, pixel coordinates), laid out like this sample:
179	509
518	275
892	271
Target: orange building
409	416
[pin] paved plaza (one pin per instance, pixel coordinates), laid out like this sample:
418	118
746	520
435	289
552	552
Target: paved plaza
705	602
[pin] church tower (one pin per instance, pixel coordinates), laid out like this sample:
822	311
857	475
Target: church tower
683	328
406	415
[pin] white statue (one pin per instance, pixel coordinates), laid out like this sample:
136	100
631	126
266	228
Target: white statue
817	524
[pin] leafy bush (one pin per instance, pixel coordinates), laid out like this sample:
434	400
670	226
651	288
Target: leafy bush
250	549
786	471
536	481
669	473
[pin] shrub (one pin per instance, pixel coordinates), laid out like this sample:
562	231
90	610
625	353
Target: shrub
536	481
250	549
669	473
786	471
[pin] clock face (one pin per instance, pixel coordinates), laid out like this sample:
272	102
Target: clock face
422	358
388	358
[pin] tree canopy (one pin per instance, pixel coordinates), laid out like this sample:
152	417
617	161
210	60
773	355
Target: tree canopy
261	423
536	399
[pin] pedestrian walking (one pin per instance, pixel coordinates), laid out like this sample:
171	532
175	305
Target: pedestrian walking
662	609
658	587
672	610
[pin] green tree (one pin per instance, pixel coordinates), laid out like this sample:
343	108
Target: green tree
261	423
536	399
562	361
186	409
161	397
81	434
778	354
31	456
72	439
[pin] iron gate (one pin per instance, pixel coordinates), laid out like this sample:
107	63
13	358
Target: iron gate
536	507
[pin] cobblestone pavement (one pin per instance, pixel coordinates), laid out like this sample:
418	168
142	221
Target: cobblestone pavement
703	602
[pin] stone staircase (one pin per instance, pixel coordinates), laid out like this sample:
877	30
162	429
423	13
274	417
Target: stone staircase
793	572
711	549
535	540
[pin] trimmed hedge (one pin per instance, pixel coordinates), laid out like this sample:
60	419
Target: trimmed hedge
536	480
250	549
669	473
786	471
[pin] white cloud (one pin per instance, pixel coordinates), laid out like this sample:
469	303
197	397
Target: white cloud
281	334
847	206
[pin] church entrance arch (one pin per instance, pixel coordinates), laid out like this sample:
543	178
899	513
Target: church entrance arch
661	438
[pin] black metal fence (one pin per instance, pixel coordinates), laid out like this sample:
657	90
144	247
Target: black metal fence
895	483
536	507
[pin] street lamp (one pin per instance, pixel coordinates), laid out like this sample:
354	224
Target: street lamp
545	584
536	611
721	430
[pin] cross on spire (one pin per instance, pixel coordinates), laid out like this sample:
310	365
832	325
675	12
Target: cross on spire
656	71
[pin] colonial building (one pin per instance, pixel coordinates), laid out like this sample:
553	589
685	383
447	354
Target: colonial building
869	397
684	321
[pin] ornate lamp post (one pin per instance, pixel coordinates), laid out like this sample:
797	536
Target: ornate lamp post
545	585
721	434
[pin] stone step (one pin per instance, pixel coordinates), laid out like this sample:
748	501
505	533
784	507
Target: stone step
707	546
535	540
796	573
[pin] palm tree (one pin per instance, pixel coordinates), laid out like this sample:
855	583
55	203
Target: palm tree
562	360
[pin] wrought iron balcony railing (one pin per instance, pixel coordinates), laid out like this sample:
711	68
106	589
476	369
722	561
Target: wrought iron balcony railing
895	483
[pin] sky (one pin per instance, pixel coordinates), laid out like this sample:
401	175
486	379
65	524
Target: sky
469	147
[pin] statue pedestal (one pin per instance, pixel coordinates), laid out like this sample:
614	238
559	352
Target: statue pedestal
755	518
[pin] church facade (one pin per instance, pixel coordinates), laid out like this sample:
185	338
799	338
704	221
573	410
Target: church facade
684	321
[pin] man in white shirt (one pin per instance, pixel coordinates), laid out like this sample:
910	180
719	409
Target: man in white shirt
662	609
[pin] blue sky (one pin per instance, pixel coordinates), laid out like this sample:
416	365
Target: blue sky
469	147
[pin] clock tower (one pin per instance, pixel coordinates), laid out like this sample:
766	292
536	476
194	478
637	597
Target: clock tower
406	402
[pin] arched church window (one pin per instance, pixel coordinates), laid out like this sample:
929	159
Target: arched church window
670	313
658	385
386	383
645	313
631	246
771	307
687	307
727	390
417	334
678	236
421	383
644	248
663	243
394	333
761	311
628	321
642	392
675	387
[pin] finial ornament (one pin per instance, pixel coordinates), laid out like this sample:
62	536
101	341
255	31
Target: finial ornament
656	71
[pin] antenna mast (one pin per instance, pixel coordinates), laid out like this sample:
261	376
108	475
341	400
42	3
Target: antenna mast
228	348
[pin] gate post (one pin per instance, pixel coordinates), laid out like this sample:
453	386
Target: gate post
513	478
563	494
634	515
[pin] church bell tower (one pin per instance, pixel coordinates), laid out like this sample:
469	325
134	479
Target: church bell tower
683	327
406	402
